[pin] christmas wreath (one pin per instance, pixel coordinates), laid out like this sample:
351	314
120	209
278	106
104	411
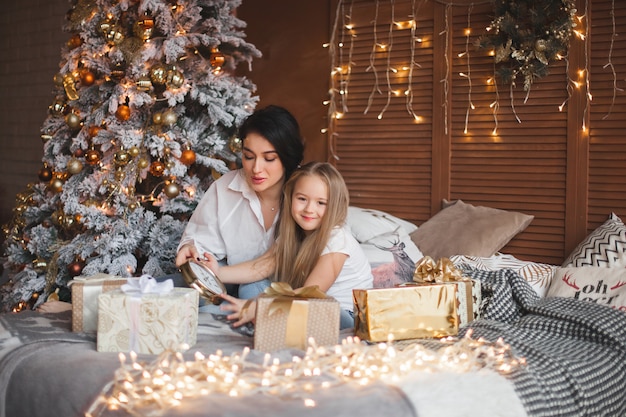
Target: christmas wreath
526	35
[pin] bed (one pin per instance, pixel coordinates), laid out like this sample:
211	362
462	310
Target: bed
557	331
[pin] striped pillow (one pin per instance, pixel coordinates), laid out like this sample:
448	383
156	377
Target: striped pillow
538	275
605	246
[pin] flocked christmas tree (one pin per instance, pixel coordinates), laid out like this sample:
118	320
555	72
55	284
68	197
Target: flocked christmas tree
143	118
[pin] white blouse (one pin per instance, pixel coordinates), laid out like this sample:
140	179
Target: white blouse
228	222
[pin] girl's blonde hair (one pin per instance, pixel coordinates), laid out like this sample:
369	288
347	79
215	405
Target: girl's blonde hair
296	253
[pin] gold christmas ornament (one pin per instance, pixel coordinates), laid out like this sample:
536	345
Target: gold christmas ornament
56	185
92	157
58	79
171	189
40	265
144	83
157	118
169	117
217	58
74	166
143	163
134	151
120	174
157	168
70	87
158	74
541	45
144	28
72	120
122	113
122	158
111	31
235	144
188	157
175	79
57	107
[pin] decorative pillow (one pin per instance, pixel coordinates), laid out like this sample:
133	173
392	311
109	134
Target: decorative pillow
367	224
605	246
599	285
465	229
538	275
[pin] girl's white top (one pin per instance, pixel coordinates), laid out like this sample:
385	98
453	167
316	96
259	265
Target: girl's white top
356	272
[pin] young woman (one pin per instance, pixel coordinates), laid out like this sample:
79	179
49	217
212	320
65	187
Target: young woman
235	220
313	247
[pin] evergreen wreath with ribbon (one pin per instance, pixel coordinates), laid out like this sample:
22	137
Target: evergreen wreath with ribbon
526	35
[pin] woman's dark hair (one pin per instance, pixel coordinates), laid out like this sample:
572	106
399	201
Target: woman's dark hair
281	129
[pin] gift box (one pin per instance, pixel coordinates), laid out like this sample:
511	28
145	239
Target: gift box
469	298
85	292
287	318
406	312
147	320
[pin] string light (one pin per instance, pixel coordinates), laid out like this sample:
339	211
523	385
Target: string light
389	68
468	31
372	65
609	64
444	81
412	63
152	388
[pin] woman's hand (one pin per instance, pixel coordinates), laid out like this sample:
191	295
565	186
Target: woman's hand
243	311
54	306
186	252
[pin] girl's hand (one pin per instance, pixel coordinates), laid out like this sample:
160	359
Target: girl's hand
212	263
188	251
244	311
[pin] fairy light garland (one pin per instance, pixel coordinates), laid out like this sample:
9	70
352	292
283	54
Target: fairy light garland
149	389
446	84
409	85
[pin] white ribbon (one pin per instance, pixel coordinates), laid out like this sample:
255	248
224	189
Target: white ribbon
147	285
136	288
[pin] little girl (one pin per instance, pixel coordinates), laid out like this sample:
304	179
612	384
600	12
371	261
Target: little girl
314	245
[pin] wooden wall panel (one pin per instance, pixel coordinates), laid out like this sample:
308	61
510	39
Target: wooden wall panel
539	161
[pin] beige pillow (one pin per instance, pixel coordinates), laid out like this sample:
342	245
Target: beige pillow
596	284
465	229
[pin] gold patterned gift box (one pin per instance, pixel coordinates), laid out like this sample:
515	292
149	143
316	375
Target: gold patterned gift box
287	318
147	322
409	312
85	292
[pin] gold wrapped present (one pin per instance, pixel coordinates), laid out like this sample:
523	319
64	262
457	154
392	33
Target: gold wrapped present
287	318
427	271
147	317
406	312
85	292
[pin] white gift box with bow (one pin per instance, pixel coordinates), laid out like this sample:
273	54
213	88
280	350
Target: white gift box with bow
146	316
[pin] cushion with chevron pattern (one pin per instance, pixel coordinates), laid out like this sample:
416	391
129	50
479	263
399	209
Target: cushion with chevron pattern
605	246
538	275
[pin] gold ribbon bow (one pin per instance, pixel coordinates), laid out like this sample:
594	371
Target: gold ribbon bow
293	302
427	271
285	295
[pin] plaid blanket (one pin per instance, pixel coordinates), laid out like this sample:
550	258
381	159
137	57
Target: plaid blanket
575	350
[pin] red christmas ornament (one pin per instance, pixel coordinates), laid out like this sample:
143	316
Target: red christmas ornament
75	268
45	173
